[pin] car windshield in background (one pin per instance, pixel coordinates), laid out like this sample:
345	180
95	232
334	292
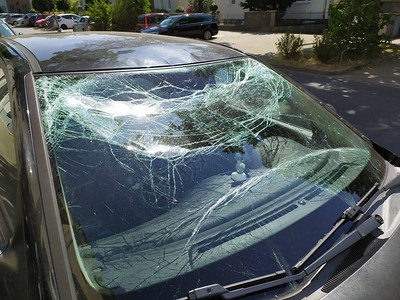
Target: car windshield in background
169	21
181	177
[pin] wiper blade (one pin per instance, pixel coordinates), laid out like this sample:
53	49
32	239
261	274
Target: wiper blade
349	214
253	286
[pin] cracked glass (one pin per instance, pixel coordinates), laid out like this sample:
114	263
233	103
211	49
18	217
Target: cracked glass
179	177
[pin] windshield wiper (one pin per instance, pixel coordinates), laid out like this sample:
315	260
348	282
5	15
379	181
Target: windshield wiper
259	284
348	215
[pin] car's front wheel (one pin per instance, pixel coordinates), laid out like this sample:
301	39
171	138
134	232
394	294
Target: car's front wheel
207	34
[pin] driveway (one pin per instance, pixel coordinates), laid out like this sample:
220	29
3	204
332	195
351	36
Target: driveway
260	43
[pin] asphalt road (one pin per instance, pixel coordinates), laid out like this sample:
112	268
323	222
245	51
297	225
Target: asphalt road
372	108
369	99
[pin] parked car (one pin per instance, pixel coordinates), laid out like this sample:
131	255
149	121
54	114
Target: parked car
4	16
83	24
6	29
189	25
66	21
41	23
150	20
12	19
20	21
37	17
138	166
27	17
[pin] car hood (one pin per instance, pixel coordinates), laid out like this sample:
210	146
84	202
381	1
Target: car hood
154	29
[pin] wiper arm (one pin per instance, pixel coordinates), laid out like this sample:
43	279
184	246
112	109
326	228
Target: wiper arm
259	284
349	214
256	285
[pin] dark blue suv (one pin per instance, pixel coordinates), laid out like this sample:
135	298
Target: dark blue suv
189	25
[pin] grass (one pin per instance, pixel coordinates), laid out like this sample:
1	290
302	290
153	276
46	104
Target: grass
308	61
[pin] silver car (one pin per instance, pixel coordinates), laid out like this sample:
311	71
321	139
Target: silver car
83	24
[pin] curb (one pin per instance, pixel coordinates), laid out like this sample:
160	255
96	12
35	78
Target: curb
323	71
318	71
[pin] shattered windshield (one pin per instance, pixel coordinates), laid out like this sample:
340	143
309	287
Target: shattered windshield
181	177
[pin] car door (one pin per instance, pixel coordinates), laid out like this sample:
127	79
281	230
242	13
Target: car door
68	20
16	276
181	27
195	26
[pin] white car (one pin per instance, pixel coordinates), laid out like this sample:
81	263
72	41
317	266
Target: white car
66	21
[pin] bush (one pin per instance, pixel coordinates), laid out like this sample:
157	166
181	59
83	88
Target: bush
201	6
100	14
324	49
214	9
125	13
289	46
180	9
63	5
355	25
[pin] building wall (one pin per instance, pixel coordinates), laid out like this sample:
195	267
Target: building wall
19	6
170	5
308	10
230	11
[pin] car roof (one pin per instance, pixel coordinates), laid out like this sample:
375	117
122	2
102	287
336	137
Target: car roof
193	15
154	14
67	52
61	15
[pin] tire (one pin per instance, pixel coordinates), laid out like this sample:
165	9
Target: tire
207	34
64	27
15	23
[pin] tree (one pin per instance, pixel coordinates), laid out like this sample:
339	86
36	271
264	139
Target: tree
43	5
263	5
74	6
354	27
125	13
201	6
100	14
63	5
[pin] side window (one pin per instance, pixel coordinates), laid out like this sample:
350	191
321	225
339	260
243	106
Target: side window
8	169
197	19
151	20
182	21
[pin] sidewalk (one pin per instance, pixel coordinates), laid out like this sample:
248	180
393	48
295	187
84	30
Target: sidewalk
256	43
263	45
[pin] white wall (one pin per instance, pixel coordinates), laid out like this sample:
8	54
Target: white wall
171	5
230	9
308	9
